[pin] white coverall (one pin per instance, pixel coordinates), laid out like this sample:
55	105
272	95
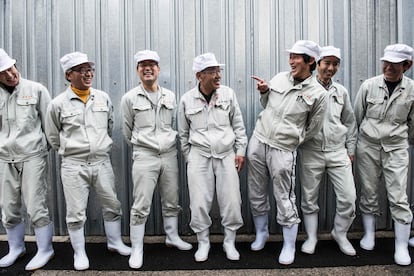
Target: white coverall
149	128
23	154
328	152
211	134
290	113
81	133
386	127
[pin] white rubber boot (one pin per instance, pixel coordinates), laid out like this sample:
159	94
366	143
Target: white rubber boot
171	231
411	242
311	228
368	240
287	255
341	227
402	234
201	254
262	232
229	246
114	239
77	239
45	250
137	240
15	237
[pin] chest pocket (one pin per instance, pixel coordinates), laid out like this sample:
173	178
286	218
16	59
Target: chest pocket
167	113
374	107
100	114
26	110
401	109
71	118
197	118
221	113
296	110
337	106
144	115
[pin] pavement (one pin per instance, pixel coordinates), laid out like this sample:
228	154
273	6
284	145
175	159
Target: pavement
371	270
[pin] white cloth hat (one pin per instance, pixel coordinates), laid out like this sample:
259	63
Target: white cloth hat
307	47
5	61
396	53
328	51
146	55
72	59
204	61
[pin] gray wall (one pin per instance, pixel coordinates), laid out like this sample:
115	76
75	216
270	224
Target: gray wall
249	36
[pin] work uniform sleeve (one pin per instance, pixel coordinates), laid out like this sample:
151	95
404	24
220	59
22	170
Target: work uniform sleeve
110	117
360	104
44	101
237	123
348	119
183	130
53	126
315	117
410	123
127	118
264	98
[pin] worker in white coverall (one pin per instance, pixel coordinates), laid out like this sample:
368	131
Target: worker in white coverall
384	110
330	152
79	127
23	163
294	103
148	124
213	142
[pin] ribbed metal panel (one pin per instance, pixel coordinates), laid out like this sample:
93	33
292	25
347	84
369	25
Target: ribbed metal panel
249	36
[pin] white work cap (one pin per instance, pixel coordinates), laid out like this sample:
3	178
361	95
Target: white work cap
396	53
73	59
307	47
5	61
146	55
329	51
204	61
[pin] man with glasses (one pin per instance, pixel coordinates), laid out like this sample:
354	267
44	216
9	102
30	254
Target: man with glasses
148	125
79	127
384	111
23	163
213	142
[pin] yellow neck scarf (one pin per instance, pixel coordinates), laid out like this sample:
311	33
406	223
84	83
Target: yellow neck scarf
82	94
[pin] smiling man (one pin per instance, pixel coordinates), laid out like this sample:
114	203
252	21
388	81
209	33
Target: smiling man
330	153
23	163
148	125
79	127
384	110
213	142
294	103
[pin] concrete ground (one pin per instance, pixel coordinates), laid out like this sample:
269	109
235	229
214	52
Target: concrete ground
376	270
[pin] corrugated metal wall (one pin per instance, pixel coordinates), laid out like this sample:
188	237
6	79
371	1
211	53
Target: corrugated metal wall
249	36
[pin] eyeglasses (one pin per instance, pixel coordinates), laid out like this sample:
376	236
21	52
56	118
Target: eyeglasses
212	71
84	70
147	64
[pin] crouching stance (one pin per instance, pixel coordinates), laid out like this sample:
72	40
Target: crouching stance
148	121
79	126
213	142
23	163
